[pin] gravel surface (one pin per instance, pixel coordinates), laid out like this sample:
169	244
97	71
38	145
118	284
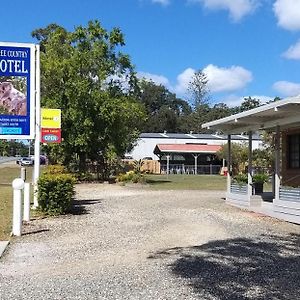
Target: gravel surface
133	243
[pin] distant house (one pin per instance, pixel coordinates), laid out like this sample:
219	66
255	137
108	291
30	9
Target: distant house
147	142
282	119
185	153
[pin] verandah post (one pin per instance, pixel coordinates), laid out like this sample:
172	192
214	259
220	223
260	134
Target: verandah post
229	167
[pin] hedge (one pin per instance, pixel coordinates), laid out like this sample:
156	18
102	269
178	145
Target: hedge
55	191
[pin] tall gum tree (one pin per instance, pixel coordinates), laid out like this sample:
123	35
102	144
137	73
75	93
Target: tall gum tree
84	73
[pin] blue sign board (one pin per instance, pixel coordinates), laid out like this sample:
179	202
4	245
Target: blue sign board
17	90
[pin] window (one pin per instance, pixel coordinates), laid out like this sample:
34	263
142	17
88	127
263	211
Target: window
294	151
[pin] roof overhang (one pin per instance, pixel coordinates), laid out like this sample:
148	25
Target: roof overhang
284	113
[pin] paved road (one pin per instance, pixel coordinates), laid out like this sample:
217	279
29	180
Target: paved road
130	243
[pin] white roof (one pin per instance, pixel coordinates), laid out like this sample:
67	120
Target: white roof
284	113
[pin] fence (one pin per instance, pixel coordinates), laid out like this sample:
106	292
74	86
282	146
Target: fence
190	169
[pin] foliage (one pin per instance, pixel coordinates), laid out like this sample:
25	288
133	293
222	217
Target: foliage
134	175
260	178
12	148
241	178
55	169
198	89
249	103
84	74
239	156
137	166
263	158
131	176
55	191
164	109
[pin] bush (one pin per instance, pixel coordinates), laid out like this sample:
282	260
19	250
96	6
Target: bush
130	176
241	178
55	191
55	169
260	178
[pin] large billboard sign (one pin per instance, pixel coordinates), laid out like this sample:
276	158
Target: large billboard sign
17	90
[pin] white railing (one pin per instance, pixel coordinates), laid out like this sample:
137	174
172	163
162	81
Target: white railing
190	169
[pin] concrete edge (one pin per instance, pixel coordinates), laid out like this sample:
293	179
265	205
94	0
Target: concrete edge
3	245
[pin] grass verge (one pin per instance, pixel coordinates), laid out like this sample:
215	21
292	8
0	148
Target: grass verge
186	182
7	175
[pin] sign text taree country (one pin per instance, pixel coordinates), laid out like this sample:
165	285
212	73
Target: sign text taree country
9	61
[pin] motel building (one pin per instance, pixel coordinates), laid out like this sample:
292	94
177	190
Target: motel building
282	120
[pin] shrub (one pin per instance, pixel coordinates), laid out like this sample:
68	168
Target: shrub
55	192
130	176
55	169
260	178
241	178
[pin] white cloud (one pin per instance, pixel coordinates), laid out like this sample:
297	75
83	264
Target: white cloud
162	2
288	13
158	79
227	79
220	79
287	88
183	80
237	8
293	52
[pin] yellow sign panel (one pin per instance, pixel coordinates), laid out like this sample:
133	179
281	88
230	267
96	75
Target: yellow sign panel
50	118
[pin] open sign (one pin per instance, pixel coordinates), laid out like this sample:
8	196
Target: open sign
50	138
51	135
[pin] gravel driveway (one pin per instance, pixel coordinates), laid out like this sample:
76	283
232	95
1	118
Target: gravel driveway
133	243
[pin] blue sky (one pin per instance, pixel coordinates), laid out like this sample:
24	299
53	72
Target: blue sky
246	47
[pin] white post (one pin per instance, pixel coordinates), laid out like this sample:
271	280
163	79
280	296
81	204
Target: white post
250	165
23	173
277	163
17	185
196	161
229	167
26	207
168	165
36	173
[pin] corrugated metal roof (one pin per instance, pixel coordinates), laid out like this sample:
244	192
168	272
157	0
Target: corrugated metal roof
195	136
187	148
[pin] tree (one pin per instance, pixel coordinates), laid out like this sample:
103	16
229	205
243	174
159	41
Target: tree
198	89
81	73
239	156
164	109
249	103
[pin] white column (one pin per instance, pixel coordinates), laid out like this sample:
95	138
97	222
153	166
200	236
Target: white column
250	165
26	207
196	162
277	163
229	167
36	172
17	185
168	165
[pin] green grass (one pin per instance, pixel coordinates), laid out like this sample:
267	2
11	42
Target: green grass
186	182
7	175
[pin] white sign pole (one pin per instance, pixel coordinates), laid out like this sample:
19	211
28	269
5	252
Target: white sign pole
36	174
